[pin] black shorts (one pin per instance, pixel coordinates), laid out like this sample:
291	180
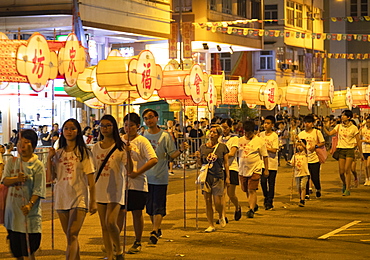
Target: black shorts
18	244
136	200
234	177
157	198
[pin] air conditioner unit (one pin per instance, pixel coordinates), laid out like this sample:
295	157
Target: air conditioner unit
284	66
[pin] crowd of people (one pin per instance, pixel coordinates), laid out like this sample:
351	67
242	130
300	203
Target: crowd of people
128	170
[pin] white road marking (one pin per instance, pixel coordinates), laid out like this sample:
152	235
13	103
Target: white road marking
332	233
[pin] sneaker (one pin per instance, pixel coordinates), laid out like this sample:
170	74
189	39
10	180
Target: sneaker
171	173
307	197
250	214
256	208
268	206
301	203
136	248
318	194
346	193
210	229
237	214
222	222
159	233
367	183
218	221
154	237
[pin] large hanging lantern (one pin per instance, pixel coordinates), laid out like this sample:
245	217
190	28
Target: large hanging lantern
360	95
94	103
145	74
71	59
339	100
37	62
281	101
300	94
231	92
324	90
85	79
173	84
112	73
196	83
76	92
211	95
260	93
218	82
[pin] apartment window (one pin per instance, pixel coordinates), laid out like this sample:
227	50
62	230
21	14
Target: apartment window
186	5
354	76
309	21
225	59
242	8
271	13
359	7
298	15
256	9
290	12
213	5
226	6
365	76
266	60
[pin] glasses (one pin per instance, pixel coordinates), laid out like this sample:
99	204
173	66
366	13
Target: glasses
149	117
106	126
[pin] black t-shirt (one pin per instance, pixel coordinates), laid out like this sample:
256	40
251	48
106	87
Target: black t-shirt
193	133
47	142
218	165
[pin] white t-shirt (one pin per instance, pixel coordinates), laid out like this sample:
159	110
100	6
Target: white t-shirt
300	165
231	141
251	153
272	142
141	152
312	139
346	136
71	188
365	132
110	187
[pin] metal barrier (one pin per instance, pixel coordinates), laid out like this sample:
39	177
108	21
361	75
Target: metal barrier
187	158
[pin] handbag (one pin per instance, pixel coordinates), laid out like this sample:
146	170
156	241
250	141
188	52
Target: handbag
105	162
336	154
321	151
334	147
3	195
204	170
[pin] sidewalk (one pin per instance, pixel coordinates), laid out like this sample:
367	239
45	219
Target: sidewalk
239	239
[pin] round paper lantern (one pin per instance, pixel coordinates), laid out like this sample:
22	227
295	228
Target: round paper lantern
360	95
260	93
282	102
339	100
112	73
94	103
37	62
145	74
231	92
71	59
196	83
218	81
84	80
300	94
324	90
76	92
173	84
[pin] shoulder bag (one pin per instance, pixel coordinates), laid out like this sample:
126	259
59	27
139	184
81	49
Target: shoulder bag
321	151
204	170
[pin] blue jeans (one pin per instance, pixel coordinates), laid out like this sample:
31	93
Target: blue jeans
268	186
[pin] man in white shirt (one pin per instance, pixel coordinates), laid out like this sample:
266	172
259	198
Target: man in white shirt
314	139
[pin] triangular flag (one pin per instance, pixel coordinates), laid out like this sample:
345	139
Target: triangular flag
333	19
339	37
350	19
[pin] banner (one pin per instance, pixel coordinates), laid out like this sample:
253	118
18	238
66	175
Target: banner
187	35
172	42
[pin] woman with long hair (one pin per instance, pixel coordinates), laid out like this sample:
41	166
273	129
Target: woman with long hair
110	182
75	186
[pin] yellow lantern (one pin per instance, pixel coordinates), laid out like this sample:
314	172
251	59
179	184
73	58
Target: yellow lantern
196	83
71	59
211	95
260	93
300	94
85	80
94	103
112	73
218	81
360	95
231	92
339	100
282	102
324	90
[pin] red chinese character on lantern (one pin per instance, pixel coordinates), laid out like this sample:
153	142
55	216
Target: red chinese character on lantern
197	81
271	95
72	66
146	79
38	66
